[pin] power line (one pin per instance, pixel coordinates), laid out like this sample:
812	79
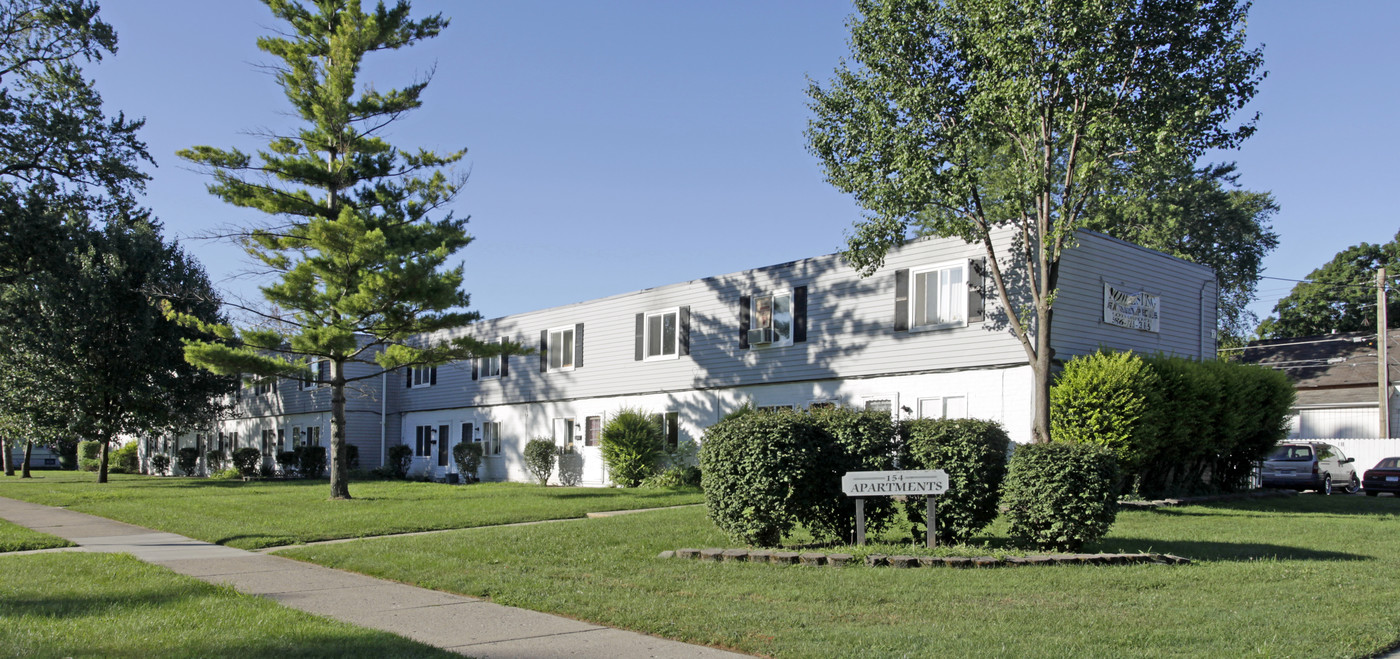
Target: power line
1361	339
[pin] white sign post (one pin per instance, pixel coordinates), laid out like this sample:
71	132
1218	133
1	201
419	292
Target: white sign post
927	482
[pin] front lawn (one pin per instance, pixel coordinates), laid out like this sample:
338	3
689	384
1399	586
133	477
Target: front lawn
105	605
14	537
260	514
1301	577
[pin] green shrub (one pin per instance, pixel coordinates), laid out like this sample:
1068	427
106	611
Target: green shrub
160	464
973	453
682	476
247	460
632	445
1108	399
400	457
1060	496
287	460
89	455
467	455
226	474
214	458
758	471
539	459
310	461
125	460
187	459
864	441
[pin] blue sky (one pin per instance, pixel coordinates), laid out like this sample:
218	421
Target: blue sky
615	146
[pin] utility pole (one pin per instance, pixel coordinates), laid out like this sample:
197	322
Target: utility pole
1383	370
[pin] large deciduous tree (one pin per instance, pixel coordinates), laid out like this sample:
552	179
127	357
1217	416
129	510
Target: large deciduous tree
985	115
1338	297
360	259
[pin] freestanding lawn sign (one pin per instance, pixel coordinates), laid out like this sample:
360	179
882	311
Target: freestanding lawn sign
861	484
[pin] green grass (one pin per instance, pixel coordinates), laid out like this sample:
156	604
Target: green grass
14	537
105	605
1301	577
260	514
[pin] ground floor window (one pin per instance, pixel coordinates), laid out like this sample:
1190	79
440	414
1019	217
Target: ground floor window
423	441
491	435
592	430
943	407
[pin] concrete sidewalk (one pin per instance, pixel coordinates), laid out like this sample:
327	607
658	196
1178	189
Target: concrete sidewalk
461	624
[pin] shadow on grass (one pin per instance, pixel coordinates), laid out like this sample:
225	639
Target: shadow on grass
1221	551
1303	504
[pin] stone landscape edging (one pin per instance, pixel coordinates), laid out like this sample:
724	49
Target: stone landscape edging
817	559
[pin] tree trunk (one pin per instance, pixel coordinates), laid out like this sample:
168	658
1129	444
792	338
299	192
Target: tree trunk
1040	422
340	471
102	470
8	457
24	466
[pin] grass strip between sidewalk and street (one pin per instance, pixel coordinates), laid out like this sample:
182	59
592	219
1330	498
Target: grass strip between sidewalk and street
1305	576
113	605
14	537
258	514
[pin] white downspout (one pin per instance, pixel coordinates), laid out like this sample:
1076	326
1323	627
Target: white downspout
383	408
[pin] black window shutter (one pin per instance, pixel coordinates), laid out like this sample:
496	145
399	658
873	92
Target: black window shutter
976	287
641	327
476	368
799	314
683	340
409	385
432	375
578	345
901	300
544	350
744	322
505	365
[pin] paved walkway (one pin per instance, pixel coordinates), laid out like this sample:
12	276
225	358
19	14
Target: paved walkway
461	624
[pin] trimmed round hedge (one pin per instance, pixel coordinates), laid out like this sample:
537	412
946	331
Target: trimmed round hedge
1060	496
973	453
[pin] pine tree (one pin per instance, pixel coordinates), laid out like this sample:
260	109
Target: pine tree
360	261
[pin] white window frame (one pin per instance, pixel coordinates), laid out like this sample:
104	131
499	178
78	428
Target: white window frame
314	365
646	335
942	403
819	403
754	318
491	437
892	398
422	376
555	348
958	296
598	439
483	370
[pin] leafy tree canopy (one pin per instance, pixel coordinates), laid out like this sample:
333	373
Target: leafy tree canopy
1338	297
991	115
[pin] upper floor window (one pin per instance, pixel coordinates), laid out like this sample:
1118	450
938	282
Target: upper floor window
265	386
773	319
421	376
561	348
939	296
663	334
320	372
486	368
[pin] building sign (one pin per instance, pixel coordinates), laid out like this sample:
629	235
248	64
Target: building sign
1137	310
891	483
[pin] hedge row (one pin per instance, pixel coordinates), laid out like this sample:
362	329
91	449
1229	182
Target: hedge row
1178	427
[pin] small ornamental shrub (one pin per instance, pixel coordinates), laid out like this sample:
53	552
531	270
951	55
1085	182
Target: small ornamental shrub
973	452
187	459
226	474
160	464
246	460
214	458
633	446
400	457
687	476
762	472
539	459
287	460
89	455
467	455
1060	496
865	441
125	460
1109	399
311	461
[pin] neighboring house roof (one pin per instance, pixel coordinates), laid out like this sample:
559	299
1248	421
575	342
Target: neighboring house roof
1331	369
